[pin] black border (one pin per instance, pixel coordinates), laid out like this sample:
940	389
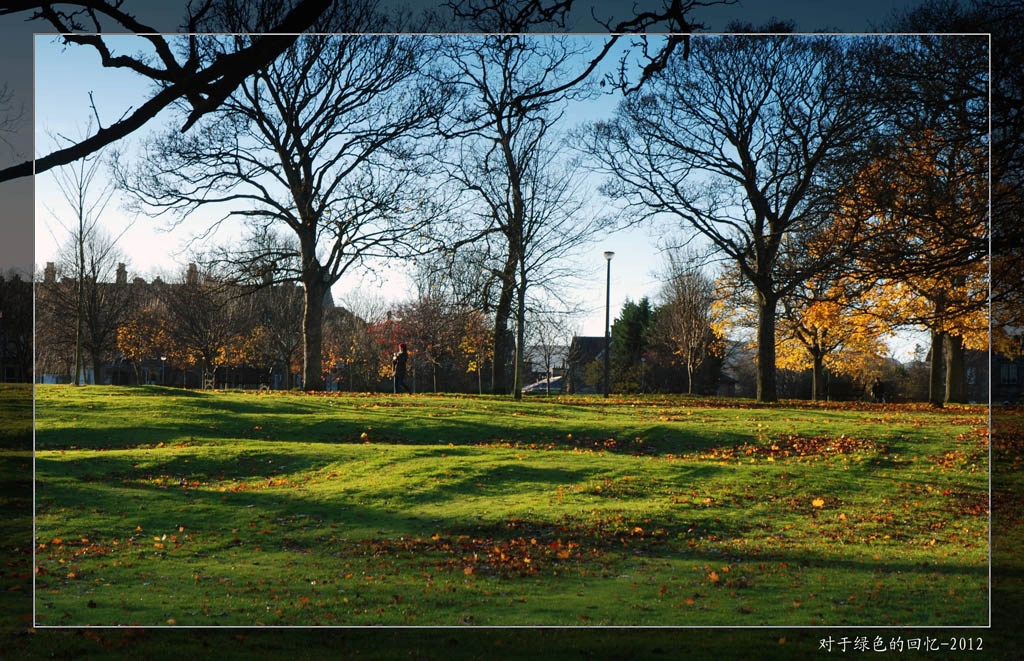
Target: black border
18	639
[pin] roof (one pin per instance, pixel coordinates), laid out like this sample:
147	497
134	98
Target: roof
585	348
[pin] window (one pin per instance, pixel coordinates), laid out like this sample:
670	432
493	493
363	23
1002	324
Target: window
1007	374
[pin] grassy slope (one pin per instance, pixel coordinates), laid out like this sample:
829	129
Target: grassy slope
463	511
458	510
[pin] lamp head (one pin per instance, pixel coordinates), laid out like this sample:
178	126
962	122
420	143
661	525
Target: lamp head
608	254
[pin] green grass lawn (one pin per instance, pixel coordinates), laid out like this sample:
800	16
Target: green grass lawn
161	506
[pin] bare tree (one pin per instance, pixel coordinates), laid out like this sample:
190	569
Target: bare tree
683	321
181	77
180	74
672	17
743	144
277	313
107	298
434	338
557	223
522	196
87	198
262	271
323	142
549	335
11	115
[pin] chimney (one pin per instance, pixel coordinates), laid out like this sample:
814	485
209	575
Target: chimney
50	273
122	274
192	275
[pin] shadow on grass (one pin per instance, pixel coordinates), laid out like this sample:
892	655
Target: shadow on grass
299	522
494	481
297	464
256	464
422	420
98	489
312	424
421	481
15	416
276	483
114	507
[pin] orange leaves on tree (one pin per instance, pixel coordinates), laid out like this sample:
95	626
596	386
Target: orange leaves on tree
477	340
921	213
823	321
144	337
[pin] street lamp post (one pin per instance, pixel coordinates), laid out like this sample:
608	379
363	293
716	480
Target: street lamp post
163	361
643	364
607	311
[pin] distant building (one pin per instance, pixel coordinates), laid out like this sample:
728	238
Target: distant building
582	351
114	369
1005	378
738	376
15	328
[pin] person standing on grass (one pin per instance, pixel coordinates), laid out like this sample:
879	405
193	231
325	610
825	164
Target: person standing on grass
878	390
398	362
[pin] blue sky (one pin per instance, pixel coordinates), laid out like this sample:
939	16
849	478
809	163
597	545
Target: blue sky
17	41
64	78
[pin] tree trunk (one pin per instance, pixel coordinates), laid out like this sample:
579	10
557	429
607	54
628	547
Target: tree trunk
935	389
501	339
78	337
501	335
96	365
766	382
689	378
313	332
816	378
517	382
954	354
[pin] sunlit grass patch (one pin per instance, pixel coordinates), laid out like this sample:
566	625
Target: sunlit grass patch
243	508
